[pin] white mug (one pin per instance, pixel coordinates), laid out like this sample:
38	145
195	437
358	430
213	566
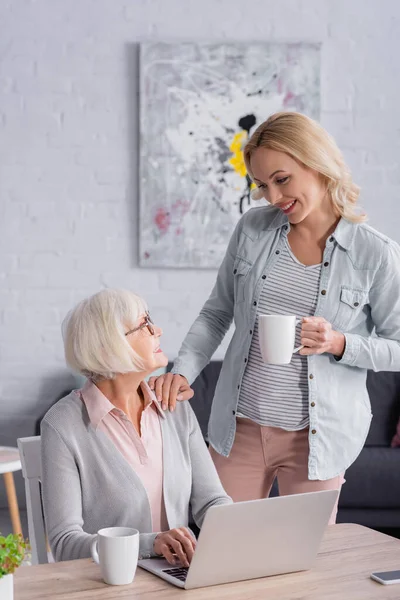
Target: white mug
277	335
117	555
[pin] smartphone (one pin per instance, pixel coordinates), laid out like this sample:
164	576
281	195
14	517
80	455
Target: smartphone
387	577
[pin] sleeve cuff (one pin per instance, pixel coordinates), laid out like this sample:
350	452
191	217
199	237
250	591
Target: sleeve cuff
191	532
189	374
351	351
146	545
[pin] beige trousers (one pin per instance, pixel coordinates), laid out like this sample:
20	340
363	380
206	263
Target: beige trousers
259	454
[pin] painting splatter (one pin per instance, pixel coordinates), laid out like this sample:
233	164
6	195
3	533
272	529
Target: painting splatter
199	104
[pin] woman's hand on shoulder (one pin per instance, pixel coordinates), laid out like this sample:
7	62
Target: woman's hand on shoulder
317	337
176	545
170	388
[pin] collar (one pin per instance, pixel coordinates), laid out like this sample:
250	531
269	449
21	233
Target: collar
150	398
98	405
275	218
343	234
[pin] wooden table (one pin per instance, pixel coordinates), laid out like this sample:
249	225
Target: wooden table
349	553
9	463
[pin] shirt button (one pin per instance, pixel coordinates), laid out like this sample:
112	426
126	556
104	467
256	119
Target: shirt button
326	264
234	412
323	292
235	271
313	404
255	304
238	387
277	251
313	431
311	376
331	239
245	360
356	304
251	332
264	277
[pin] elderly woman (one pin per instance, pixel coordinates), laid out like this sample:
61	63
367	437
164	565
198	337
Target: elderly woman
307	254
110	455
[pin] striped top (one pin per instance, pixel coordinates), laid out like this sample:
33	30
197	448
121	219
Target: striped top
277	395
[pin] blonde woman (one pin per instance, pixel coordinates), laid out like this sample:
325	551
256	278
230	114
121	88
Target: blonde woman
308	253
110	455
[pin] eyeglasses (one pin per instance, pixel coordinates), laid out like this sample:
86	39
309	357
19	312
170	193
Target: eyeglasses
147	323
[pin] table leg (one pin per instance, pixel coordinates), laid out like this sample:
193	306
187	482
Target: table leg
12	502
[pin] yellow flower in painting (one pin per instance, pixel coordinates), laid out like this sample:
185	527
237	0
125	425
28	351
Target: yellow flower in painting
236	148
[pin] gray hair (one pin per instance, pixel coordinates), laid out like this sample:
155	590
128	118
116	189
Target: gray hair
95	344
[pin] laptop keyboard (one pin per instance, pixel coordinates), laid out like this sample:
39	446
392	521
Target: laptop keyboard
178	572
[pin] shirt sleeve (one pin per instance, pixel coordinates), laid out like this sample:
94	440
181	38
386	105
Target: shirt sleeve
207	489
214	320
380	351
62	502
62	498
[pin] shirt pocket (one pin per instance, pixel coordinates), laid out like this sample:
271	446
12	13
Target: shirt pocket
241	269
351	304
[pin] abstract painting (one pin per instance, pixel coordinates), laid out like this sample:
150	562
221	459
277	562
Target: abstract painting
198	105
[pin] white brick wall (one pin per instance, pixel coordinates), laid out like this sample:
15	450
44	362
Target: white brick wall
68	153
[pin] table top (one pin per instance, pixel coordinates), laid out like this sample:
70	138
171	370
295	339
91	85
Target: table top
9	460
348	554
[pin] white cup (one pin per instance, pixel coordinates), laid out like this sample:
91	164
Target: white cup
116	550
277	335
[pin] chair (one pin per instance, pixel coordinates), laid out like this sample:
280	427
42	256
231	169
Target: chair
9	463
29	450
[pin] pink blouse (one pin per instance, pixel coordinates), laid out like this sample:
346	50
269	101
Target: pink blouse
144	453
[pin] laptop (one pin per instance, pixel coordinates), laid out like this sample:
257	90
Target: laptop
253	539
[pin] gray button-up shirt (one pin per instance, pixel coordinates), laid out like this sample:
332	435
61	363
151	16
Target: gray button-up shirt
359	295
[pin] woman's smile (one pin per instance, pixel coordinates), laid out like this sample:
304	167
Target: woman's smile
288	206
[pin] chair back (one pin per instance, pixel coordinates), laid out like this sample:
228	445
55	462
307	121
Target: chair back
29	450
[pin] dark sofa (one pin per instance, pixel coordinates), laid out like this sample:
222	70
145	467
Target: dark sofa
371	495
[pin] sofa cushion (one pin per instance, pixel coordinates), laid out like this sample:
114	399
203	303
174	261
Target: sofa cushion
384	393
204	388
373	480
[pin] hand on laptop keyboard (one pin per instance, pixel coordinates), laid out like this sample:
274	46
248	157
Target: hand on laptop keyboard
176	545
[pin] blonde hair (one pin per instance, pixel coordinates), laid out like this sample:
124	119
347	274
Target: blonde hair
309	143
94	334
